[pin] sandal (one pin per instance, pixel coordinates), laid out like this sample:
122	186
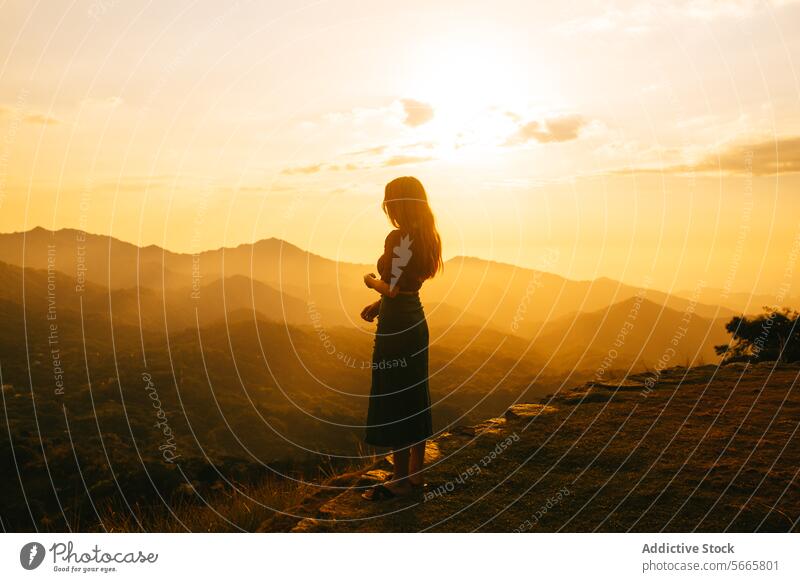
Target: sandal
420	485
378	493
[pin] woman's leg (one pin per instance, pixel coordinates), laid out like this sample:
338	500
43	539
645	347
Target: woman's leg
416	463
400	462
399	482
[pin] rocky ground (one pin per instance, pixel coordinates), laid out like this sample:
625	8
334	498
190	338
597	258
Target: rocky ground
689	449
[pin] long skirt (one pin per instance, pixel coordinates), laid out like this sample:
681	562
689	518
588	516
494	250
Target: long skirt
400	405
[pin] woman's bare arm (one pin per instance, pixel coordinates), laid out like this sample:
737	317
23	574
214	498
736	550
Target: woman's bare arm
382	287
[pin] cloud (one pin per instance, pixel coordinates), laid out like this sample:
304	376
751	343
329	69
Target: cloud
361	116
349	167
370	158
551	130
312	169
376	150
402	160
428	145
40	119
409	112
762	158
417	112
33	118
396	160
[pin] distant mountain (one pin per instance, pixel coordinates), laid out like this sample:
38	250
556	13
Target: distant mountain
483	293
518	300
741	303
632	333
186	307
103	260
335	287
110	262
154	309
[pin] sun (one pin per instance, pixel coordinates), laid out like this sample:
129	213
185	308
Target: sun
473	84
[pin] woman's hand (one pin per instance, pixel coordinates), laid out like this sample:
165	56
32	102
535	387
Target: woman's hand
382	287
369	280
370	311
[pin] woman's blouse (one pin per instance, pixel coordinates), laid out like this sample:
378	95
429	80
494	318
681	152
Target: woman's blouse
398	265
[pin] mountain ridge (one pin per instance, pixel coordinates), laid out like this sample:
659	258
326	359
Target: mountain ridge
152	247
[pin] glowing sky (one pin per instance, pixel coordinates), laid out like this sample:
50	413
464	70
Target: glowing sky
639	139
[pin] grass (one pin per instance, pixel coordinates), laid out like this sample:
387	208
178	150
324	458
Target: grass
241	508
707	449
704	451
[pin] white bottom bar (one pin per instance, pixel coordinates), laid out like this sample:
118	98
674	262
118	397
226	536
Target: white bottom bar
390	557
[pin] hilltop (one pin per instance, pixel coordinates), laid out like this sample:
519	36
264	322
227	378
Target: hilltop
689	449
261	365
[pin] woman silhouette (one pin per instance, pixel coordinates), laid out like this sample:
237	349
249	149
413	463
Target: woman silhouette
399	413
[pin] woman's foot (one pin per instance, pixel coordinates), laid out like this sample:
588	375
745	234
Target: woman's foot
416	481
388	491
400	488
378	493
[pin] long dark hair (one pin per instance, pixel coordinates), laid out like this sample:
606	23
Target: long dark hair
406	205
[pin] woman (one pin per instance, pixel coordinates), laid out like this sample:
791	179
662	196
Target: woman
399	414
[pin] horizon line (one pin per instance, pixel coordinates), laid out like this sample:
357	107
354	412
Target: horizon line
283	242
290	244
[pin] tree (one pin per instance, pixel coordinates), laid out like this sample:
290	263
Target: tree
772	335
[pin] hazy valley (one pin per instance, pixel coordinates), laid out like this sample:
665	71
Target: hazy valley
137	374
